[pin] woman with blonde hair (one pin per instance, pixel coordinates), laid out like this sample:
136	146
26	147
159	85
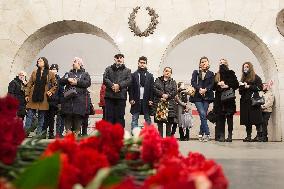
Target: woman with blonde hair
250	114
225	82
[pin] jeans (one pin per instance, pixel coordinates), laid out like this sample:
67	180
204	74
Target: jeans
115	111
135	117
29	120
202	108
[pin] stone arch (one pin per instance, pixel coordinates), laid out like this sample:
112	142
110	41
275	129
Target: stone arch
39	39
254	43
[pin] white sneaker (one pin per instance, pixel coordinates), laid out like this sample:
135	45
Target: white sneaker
200	138
206	138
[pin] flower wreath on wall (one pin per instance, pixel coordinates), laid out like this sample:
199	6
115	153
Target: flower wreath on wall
151	27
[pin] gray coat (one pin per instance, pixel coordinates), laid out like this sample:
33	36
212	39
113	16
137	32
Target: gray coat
120	76
182	103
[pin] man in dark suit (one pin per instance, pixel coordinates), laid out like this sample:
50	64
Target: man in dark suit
117	79
141	93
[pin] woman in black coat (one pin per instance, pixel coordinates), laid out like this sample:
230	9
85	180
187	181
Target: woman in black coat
75	108
250	115
225	80
203	80
165	89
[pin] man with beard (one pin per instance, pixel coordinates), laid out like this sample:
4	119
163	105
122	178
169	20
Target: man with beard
117	79
141	93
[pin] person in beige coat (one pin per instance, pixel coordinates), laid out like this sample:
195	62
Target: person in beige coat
37	93
266	107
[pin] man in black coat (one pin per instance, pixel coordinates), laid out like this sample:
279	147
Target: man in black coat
16	89
117	79
141	93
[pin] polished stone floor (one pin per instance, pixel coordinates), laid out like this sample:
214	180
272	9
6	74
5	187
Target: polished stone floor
247	165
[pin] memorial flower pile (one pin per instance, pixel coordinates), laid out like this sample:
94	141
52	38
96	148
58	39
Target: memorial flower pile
104	161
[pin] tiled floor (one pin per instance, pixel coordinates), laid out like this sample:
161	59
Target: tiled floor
247	165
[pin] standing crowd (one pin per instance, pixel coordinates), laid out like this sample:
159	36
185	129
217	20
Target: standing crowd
46	96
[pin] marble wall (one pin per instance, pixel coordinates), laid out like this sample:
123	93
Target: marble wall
27	26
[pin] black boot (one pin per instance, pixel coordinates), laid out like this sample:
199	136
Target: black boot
221	138
258	138
229	139
247	139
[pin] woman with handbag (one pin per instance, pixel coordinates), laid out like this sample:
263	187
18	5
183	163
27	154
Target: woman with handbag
225	84
203	80
37	93
75	104
250	114
165	90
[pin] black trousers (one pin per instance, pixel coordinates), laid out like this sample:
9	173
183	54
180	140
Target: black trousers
115	111
161	129
85	125
220	125
249	129
266	116
49	120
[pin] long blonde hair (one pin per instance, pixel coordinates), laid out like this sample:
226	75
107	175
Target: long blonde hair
217	76
251	74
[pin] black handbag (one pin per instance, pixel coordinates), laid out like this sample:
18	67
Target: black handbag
228	95
70	93
257	100
212	116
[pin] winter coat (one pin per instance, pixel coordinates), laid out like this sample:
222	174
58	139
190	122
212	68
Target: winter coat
44	105
55	99
228	107
198	83
165	87
120	76
269	100
77	105
134	93
16	89
102	96
250	115
182	103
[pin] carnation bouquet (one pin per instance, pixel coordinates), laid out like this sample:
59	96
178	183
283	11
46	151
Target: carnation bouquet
106	160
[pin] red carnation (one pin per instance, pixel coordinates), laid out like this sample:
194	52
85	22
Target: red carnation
170	146
69	174
151	142
89	161
67	145
7	153
9	106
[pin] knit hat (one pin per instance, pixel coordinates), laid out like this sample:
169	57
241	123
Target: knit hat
53	66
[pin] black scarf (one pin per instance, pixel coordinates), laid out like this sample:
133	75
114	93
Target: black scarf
39	87
142	73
